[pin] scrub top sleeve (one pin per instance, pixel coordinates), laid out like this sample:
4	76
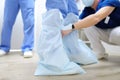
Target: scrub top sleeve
86	12
114	3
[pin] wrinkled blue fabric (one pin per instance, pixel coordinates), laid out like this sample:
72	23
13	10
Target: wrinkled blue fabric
77	50
11	10
65	6
53	57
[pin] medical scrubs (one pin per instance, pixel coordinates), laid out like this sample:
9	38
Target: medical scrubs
105	28
65	6
60	55
114	17
11	10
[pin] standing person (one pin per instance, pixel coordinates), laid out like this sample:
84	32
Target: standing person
11	10
102	19
61	55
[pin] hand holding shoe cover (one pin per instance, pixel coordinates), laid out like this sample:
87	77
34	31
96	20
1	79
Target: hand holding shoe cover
77	50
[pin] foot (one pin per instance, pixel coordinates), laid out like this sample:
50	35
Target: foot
104	56
2	52
27	54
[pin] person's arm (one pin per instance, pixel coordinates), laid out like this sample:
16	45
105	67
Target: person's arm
91	19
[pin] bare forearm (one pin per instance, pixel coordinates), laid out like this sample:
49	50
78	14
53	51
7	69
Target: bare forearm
94	18
86	22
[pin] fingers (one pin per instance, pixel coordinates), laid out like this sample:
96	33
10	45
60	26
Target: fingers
65	32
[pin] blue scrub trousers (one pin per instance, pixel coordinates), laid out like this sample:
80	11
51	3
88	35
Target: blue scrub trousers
11	10
65	6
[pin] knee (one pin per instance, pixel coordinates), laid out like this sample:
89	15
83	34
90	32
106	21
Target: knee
115	36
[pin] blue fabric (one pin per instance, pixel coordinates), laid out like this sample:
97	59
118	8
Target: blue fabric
10	12
77	50
65	6
114	16
53	49
86	12
53	57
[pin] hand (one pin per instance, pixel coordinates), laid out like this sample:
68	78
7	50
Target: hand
66	32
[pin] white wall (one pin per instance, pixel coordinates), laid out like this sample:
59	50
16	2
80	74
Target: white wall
17	34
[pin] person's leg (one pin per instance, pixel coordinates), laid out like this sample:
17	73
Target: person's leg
95	35
27	9
10	12
72	7
115	36
51	51
62	5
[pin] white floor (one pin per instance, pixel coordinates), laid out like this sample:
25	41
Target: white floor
14	67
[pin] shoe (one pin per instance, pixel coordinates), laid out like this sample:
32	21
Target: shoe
2	52
28	54
101	57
